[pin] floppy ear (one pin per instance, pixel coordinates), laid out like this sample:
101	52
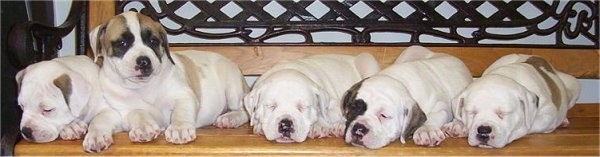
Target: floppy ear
322	101
75	90
251	103
458	104
95	36
19	77
413	118
165	44
529	103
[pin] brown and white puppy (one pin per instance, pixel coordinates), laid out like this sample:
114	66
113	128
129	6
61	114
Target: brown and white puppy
300	98
60	97
409	98
517	95
154	90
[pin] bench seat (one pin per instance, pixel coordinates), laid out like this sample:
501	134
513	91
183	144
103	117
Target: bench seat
579	138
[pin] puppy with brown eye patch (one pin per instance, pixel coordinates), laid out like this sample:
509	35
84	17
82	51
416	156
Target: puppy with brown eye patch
155	90
62	98
300	98
517	95
409	98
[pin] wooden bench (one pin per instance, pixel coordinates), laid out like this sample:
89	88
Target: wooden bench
580	138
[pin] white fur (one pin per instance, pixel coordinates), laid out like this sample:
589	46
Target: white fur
308	92
513	99
418	78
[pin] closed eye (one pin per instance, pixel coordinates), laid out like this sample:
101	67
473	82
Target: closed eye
47	111
300	107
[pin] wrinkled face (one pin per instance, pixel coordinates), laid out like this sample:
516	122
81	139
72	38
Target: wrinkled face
134	47
285	112
45	111
376	114
493	117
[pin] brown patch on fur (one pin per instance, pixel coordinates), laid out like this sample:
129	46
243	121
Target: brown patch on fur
191	73
116	26
417	118
539	63
63	82
147	23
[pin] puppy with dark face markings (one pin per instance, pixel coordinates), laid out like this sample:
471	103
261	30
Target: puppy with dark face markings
409	98
517	95
60	97
300	98
154	90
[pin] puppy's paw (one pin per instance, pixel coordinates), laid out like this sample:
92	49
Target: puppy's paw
257	129
337	129
74	130
144	133
455	129
428	136
318	131
565	123
231	119
180	133
97	141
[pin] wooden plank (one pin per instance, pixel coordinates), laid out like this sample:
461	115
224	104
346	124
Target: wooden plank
254	60
580	138
584	110
99	12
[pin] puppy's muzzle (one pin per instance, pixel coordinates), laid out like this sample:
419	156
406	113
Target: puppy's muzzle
483	133
144	65
286	127
358	132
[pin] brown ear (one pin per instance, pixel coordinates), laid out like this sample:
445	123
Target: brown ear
417	118
63	82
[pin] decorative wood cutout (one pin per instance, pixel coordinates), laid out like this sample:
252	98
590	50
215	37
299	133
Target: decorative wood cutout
454	23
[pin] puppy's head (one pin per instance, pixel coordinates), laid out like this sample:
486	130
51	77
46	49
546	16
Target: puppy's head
495	111
284	106
378	111
50	98
134	47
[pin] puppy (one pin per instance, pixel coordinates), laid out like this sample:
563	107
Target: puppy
301	98
61	97
154	90
411	96
517	95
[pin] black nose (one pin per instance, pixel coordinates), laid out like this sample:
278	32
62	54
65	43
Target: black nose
359	131
27	133
286	127
484	129
143	64
483	133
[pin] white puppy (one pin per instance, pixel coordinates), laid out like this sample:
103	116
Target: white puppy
301	98
517	95
154	90
411	96
61	97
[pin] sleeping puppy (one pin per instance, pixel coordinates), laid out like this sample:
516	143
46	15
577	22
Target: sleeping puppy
301	98
411	96
154	90
517	95
60	97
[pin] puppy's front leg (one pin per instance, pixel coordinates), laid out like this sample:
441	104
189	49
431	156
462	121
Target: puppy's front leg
74	130
143	127
455	128
182	130
430	134
99	136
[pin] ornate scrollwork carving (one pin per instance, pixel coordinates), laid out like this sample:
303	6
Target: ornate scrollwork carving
455	23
